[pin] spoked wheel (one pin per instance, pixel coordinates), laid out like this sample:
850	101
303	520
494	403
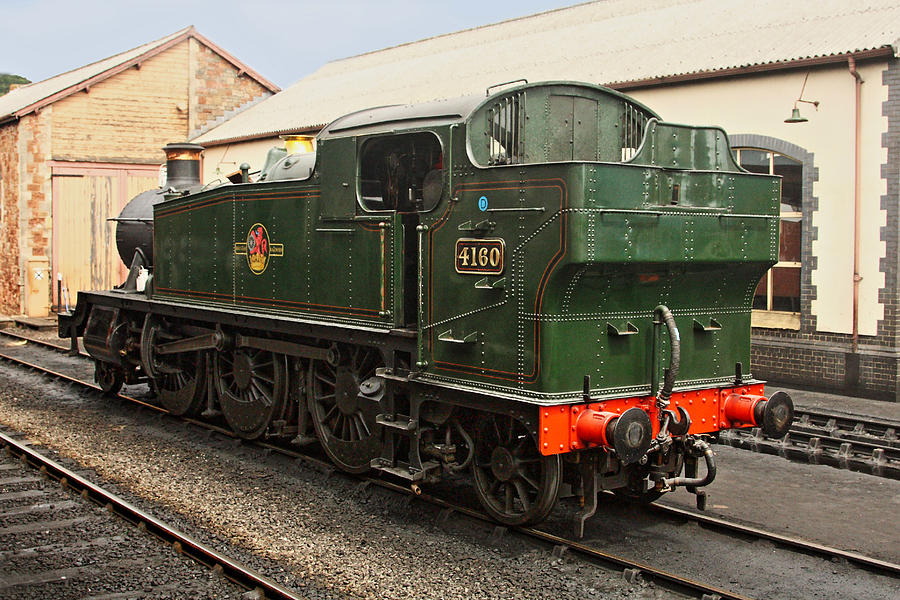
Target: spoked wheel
179	379
515	483
109	377
253	390
343	403
182	391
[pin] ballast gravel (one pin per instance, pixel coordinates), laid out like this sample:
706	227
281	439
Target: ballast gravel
321	534
56	545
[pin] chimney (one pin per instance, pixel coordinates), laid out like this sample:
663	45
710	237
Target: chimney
182	165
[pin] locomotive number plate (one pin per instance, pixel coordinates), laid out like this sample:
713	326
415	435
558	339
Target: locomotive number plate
480	256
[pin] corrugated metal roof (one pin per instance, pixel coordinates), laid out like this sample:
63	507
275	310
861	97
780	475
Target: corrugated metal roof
611	41
26	98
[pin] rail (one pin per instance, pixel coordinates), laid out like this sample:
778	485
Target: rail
181	542
572	545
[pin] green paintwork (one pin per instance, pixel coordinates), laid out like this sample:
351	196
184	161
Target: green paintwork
593	243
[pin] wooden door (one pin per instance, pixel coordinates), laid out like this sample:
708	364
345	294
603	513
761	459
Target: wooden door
85	197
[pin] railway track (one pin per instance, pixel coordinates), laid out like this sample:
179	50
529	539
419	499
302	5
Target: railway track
180	541
856	442
19	337
633	570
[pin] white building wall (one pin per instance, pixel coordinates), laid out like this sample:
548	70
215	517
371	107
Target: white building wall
759	104
220	161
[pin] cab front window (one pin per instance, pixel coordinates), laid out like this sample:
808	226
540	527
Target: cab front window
402	173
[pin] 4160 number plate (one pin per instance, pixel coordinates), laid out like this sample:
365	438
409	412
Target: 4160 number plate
480	256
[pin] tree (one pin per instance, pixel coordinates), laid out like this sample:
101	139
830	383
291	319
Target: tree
7	80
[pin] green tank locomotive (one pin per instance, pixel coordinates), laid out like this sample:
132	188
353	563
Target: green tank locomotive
543	284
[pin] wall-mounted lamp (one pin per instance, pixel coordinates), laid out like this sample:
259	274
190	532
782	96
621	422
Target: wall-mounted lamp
795	114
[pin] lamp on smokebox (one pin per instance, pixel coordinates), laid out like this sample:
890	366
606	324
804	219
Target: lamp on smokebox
795	114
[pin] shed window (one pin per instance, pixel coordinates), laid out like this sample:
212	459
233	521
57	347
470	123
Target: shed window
401	172
779	289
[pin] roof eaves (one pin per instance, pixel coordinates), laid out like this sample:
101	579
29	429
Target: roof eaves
87	83
798	63
241	67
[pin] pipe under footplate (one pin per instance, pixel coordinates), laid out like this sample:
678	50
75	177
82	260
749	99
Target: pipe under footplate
630	433
702	448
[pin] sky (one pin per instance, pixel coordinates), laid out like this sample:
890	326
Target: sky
282	41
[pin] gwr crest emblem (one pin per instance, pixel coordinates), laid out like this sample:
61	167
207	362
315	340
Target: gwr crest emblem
258	248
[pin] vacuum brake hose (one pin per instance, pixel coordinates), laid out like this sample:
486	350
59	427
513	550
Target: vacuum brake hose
675	340
701	445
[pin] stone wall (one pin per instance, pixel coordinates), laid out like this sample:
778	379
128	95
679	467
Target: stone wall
9	219
218	87
25	228
35	199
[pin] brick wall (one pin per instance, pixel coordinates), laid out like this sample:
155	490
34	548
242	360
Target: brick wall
9	219
889	296
817	363
218	88
126	118
26	227
35	192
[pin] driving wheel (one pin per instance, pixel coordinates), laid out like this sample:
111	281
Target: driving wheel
181	391
252	387
514	482
343	405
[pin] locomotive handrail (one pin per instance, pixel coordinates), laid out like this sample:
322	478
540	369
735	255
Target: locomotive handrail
659	213
354	219
329	230
519	209
743	216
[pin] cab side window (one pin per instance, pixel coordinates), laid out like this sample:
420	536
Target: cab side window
401	173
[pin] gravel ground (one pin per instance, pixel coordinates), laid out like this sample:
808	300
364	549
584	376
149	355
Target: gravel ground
317	533
344	542
57	545
74	366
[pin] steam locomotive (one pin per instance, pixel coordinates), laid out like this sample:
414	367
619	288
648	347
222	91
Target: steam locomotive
546	288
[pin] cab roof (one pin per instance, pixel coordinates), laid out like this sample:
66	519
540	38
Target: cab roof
384	119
